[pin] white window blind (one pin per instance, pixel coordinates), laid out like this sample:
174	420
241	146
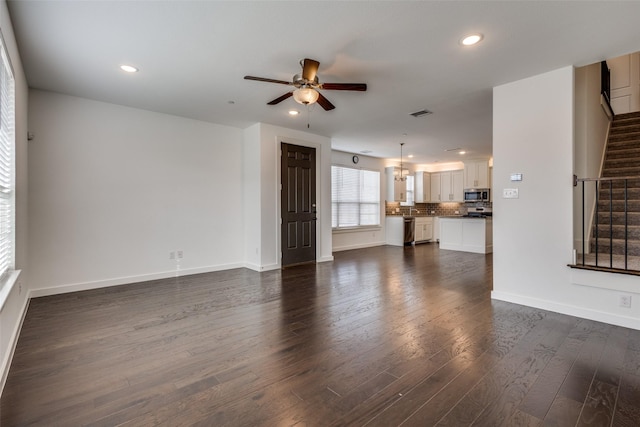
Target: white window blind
7	162
355	197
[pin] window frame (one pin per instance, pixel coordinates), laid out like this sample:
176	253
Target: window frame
8	277
378	202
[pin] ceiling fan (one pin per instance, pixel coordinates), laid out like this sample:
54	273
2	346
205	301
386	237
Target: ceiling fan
307	85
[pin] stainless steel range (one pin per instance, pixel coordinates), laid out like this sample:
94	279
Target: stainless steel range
479	212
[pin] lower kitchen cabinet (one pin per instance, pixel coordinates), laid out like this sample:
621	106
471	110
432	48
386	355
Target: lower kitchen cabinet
466	234
424	229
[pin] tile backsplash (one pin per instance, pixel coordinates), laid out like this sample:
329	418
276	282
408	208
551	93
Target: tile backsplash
432	209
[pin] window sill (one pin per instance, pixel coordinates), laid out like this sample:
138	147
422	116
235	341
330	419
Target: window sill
7	286
356	229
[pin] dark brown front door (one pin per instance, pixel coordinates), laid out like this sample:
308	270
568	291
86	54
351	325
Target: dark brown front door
298	173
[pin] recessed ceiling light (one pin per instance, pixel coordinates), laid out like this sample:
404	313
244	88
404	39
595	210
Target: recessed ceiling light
471	39
462	152
410	156
293	112
129	68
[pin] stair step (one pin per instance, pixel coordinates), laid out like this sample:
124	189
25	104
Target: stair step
623	153
626	116
617	245
633	218
617	193
625	128
617	205
618	185
604	231
625	171
632	160
623	143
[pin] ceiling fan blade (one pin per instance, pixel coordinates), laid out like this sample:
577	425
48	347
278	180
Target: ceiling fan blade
280	98
262	79
361	87
324	102
309	69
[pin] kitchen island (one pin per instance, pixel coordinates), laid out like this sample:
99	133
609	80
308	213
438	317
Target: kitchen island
467	234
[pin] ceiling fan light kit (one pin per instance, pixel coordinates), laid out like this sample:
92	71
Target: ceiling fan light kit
307	85
305	95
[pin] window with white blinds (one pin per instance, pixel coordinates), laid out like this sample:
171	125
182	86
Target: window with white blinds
355	197
7	162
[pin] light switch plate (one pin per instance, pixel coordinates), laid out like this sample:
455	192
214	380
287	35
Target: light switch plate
509	193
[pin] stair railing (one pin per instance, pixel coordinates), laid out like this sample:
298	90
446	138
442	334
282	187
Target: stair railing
590	255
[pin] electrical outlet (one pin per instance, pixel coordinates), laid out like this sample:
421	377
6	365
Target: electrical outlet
19	288
172	255
625	301
180	254
510	193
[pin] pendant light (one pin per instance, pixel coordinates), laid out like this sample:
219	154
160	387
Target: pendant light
400	178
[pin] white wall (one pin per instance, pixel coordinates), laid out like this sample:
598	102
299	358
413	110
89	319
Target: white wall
591	131
11	314
113	190
533	133
375	236
251	198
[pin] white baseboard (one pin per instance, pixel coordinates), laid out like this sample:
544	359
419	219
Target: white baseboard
585	313
325	259
75	287
13	341
257	267
358	246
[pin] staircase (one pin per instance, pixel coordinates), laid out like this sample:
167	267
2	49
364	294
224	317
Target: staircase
622	159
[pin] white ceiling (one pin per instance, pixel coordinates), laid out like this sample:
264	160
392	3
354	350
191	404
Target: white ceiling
192	57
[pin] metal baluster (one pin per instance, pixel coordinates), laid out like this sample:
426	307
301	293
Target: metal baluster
583	224
597	219
626	226
610	223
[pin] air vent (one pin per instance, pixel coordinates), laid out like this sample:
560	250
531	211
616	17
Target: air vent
421	113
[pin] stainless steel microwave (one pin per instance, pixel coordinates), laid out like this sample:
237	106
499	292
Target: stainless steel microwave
476	195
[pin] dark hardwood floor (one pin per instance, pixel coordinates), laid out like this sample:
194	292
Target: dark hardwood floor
383	336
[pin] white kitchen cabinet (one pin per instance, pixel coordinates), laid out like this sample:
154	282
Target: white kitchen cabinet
476	174
422	187
436	228
447	186
466	234
423	229
436	187
394	230
396	190
457	186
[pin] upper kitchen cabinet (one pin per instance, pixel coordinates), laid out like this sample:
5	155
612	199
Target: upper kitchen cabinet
447	186
396	190
423	187
476	174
